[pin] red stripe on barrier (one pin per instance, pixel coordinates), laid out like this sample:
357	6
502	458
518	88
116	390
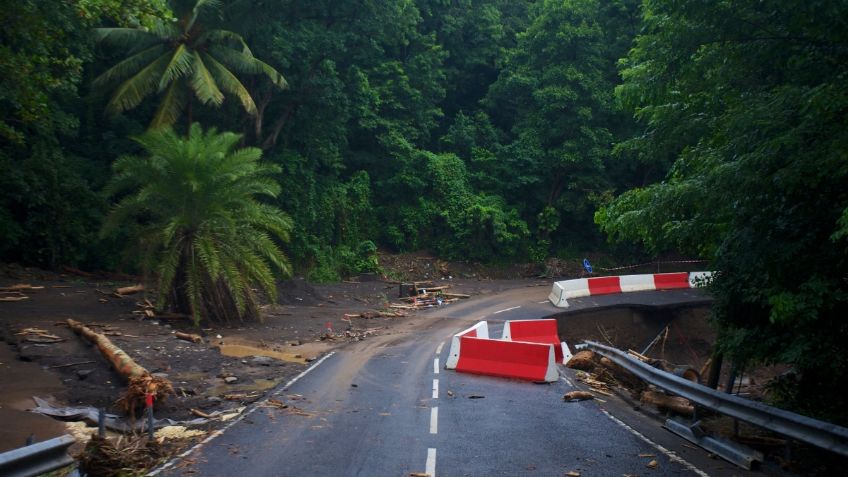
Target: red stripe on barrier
507	359
671	281
471	334
604	285
537	331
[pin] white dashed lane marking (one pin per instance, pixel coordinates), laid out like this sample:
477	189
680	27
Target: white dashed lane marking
434	420
507	309
430	468
436	366
439	348
435	389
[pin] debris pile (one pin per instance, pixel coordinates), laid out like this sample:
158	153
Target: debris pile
17	292
104	458
419	295
601	374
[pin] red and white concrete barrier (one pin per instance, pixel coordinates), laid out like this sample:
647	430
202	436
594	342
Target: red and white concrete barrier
537	331
580	287
508	359
473	352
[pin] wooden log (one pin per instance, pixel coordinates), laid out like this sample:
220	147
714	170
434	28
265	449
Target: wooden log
577	396
20	287
140	381
665	402
456	295
130	290
189	337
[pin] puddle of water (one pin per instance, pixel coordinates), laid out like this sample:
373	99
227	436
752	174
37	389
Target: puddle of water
242	350
19	381
298	354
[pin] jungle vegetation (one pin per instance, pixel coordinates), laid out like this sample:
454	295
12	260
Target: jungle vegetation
488	130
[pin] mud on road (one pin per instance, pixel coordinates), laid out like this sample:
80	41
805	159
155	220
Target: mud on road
232	367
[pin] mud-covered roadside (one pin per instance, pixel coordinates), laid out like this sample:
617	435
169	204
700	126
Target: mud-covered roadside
232	367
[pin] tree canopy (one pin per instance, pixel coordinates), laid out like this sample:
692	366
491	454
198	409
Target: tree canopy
748	102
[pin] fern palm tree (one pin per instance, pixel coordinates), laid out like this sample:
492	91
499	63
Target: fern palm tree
202	229
176	60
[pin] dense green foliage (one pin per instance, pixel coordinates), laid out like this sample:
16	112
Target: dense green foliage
199	224
749	102
490	130
478	129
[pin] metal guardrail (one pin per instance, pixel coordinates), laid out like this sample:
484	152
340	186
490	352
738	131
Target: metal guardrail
37	459
802	428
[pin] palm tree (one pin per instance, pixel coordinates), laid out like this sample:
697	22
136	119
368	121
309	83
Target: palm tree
178	59
202	230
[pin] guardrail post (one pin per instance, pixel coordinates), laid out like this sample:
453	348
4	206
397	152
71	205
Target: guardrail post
101	422
715	370
731	379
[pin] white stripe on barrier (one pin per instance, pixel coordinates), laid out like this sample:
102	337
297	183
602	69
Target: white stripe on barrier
579	287
632	283
699	279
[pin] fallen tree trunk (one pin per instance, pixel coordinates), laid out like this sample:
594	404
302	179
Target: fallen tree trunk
669	403
130	289
139	381
189	337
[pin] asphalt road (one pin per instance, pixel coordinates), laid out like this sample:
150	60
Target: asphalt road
386	407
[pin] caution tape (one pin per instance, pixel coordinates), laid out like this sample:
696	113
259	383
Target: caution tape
627	267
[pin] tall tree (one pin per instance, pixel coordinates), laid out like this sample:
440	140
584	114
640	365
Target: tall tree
203	231
554	98
749	101
178	60
47	206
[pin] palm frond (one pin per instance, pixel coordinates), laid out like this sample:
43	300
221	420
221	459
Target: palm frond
247	64
130	65
165	30
133	90
179	66
203	83
213	38
170	107
231	84
168	266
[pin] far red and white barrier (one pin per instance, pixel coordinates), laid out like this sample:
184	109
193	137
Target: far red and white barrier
580	287
473	352
537	331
